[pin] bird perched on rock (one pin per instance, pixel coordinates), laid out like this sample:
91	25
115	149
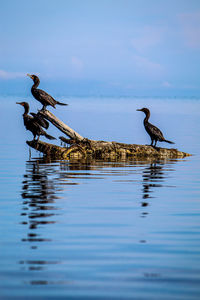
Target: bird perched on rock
32	124
153	131
41	95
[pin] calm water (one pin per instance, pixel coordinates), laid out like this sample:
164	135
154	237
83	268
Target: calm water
101	230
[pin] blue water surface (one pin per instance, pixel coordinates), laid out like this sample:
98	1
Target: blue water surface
101	230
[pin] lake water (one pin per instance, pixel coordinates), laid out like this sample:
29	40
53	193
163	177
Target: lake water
101	230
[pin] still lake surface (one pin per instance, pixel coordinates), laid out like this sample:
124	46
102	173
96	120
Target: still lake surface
101	230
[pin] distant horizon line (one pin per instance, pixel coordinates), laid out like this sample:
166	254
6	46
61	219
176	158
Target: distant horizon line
109	95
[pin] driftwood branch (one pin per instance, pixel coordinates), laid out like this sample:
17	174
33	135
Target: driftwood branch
61	126
81	147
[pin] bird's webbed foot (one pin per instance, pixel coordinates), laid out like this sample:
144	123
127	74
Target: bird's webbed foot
151	143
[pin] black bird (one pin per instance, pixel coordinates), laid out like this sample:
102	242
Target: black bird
153	131
41	95
40	120
31	123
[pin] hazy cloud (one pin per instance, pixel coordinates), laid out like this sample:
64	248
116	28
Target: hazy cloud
146	65
166	84
77	65
11	75
146	38
190	23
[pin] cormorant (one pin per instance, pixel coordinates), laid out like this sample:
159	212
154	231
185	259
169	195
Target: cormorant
40	120
153	131
32	124
41	95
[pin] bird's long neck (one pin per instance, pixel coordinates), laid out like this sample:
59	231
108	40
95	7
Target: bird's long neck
26	110
36	84
146	119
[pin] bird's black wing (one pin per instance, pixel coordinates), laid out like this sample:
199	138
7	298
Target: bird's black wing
40	120
42	96
28	120
32	125
155	132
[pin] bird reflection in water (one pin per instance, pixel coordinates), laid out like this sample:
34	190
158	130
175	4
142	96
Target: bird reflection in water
39	195
153	177
38	210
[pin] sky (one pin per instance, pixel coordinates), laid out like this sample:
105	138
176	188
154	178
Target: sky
107	46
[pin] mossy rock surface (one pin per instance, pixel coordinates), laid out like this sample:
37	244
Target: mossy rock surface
80	147
105	150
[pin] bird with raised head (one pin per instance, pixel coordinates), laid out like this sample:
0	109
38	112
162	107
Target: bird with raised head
154	132
40	95
31	123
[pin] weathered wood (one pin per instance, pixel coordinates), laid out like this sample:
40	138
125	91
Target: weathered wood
60	125
81	147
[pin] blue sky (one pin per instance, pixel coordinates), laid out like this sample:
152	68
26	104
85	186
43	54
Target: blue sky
125	45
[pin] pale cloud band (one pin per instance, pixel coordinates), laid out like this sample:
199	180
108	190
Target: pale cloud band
11	75
190	23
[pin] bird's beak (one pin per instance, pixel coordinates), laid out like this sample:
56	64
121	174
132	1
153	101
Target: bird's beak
19	103
138	109
29	75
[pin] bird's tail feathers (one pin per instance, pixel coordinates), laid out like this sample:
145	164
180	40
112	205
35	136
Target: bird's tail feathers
169	142
50	137
60	103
